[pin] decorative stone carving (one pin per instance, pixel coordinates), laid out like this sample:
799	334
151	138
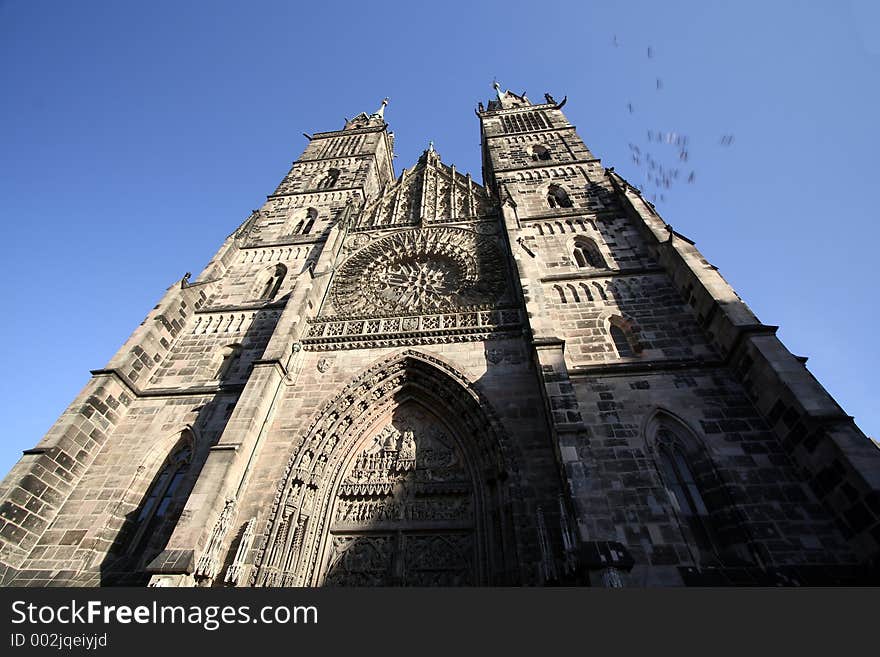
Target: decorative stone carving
209	562
418	271
431	192
323	365
357	241
236	568
409	477
388	470
329	333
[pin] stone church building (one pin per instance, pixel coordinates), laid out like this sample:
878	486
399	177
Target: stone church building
418	379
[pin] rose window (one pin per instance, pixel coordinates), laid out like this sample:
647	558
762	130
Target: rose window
419	271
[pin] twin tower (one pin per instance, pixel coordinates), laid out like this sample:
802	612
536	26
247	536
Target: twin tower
423	380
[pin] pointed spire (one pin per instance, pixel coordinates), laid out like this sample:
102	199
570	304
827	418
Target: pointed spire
430	154
497	88
380	113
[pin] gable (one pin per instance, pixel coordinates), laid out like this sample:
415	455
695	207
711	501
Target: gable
431	192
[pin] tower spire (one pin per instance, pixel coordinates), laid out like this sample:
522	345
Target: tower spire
380	113
497	88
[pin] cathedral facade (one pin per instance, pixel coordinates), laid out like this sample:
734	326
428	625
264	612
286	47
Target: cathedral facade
422	380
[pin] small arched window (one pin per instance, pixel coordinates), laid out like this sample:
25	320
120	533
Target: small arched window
557	197
540	152
624	349
162	499
587	254
311	216
229	358
272	282
621	334
329	180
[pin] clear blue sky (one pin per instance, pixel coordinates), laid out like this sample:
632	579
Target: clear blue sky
135	136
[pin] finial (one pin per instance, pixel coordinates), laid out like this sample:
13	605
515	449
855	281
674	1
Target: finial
381	111
431	146
497	88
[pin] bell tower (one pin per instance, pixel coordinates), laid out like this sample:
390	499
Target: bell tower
666	395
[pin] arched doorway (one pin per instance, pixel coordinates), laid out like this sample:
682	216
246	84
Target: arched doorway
401	481
405	509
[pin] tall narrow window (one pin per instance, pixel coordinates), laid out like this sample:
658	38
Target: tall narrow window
311	216
557	197
587	254
684	492
163	497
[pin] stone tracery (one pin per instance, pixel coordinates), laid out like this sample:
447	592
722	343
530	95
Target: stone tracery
420	271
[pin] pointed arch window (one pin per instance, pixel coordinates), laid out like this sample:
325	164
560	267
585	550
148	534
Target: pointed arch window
557	197
683	488
698	495
272	282
311	216
162	500
587	254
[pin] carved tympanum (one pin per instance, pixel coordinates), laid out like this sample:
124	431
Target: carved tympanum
404	511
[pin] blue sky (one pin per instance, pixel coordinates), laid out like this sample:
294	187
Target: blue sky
135	136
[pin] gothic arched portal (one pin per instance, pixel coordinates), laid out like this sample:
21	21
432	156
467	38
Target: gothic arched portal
401	480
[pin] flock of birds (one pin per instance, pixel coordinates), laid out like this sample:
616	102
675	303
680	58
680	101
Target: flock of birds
665	159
